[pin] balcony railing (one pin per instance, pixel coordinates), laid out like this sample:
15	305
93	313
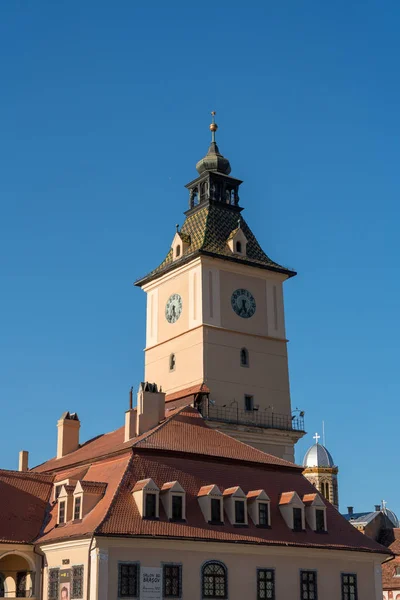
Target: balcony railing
251	418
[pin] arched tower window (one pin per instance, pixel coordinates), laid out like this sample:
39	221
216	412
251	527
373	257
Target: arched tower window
239	247
244	357
214	580
172	362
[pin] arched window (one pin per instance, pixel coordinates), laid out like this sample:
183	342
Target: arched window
178	251
195	197
172	362
244	357
239	247
325	489
2	586
214	580
232	197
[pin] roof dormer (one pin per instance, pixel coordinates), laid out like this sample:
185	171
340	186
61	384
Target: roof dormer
258	505
237	241
235	505
292	510
315	510
210	502
146	495
180	244
173	499
86	496
64	504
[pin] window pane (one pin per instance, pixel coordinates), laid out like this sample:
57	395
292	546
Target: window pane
239	511
308	587
128	580
265	584
215	509
297	520
62	513
52	591
77	510
177	504
172	581
21	584
320	520
214	581
349	586
263	513
150	506
77	582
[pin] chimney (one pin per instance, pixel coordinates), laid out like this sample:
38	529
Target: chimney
130	419
350	510
377	507
68	434
150	407
23	460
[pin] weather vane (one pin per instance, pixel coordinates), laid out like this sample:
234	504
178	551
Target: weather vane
213	126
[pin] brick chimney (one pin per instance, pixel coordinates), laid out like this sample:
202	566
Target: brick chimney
350	510
23	460
150	407
68	434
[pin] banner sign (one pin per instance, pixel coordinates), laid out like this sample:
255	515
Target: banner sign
150	583
65	584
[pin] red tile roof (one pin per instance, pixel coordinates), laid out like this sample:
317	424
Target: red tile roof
309	498
205	490
254	493
287	497
200	388
231	491
23	502
389	579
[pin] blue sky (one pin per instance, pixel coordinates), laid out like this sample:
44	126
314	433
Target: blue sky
104	111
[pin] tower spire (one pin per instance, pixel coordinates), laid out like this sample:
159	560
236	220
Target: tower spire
213	161
213	127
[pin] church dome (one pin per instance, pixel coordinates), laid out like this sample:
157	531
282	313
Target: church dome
392	517
318	456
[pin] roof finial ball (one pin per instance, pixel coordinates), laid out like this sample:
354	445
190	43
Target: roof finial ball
213	126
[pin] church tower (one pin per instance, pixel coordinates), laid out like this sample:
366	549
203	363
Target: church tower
320	470
215	316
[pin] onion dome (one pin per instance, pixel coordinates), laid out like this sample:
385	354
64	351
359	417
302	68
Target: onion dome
318	456
213	160
392	517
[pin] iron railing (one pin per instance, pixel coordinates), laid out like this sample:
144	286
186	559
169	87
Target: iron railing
251	418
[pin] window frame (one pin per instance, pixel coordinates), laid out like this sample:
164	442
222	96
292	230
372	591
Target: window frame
146	495
130	564
251	398
21	576
174	518
179	567
74	578
78	501
213	503
63	504
342	585
318	513
237	502
172	362
225	576
270	571
312	572
297	508
266	504
53	582
244	353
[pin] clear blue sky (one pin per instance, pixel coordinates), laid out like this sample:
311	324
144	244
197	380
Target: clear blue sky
104	111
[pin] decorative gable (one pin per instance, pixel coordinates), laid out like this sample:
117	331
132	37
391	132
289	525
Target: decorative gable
65	504
315	512
259	509
292	510
146	495
180	244
86	495
210	502
235	505
173	499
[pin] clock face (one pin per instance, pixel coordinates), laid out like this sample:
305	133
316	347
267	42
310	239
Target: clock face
173	308
243	303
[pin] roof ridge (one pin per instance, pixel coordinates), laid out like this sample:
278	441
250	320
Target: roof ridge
25	473
159	426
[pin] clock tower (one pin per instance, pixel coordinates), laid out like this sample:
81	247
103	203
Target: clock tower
215	316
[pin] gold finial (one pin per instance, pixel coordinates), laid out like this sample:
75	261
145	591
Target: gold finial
213	126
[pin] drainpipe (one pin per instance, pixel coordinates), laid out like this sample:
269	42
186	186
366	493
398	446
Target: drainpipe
89	567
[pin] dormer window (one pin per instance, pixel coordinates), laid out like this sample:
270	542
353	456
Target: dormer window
146	496
237	241
150	507
235	504
178	251
210	502
239	247
259	508
61	512
292	510
315	512
77	508
173	500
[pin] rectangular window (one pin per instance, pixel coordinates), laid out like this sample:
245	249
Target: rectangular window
177	508
349	586
319	519
215	510
150	510
128	580
172	578
308	585
265	584
21	584
297	519
249	402
53	584
61	512
239	512
57	491
77	582
263	513
77	509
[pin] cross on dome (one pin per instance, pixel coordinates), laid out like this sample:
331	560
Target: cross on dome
316	437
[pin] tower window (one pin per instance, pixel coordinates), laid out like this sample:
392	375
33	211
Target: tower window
172	362
239	247
178	251
244	357
249	403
